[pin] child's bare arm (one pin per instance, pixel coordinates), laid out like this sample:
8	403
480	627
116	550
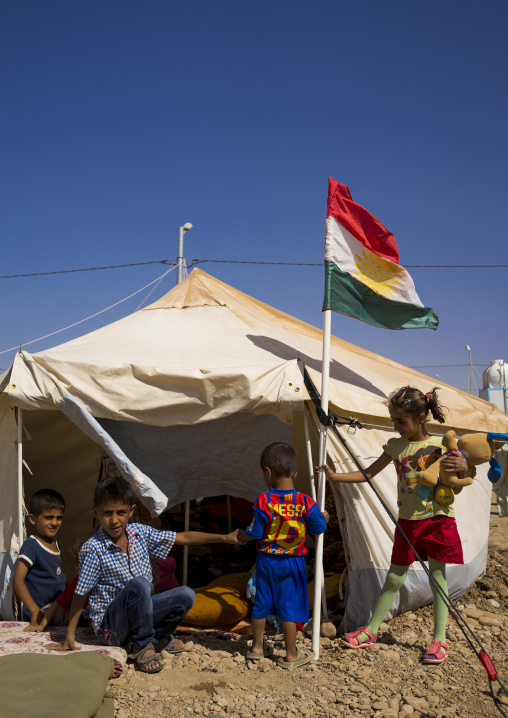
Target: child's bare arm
355	477
195	538
45	620
243	537
326	515
22	592
77	606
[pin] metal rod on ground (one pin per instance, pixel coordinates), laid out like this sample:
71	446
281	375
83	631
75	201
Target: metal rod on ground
20	485
324	607
186	548
318	570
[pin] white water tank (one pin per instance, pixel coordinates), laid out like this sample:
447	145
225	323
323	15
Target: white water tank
495	375
494	379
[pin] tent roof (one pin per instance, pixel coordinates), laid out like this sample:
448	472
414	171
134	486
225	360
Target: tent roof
206	350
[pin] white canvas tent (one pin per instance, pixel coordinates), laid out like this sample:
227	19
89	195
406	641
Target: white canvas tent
185	393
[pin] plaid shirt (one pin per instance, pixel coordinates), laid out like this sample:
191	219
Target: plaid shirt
104	569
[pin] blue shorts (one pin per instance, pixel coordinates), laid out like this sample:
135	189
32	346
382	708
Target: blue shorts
281	588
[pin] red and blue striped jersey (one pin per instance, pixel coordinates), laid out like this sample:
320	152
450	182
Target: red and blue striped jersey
281	521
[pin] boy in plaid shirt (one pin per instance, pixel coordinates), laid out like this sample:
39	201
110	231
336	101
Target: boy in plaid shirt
116	577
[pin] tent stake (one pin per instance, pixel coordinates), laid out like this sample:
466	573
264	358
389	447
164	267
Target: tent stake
318	573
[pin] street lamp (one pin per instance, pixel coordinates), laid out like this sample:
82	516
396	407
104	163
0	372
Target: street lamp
180	260
470	370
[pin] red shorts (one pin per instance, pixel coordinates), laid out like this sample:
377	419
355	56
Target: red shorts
436	537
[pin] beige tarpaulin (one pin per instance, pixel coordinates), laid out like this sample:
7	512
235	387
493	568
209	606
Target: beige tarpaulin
185	393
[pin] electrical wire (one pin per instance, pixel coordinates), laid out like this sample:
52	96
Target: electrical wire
87	269
438	366
195	262
51	334
308	264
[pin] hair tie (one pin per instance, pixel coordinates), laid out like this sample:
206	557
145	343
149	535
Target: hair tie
428	395
408	401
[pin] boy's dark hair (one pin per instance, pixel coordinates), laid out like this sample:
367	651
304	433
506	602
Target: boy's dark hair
414	402
45	500
114	488
281	458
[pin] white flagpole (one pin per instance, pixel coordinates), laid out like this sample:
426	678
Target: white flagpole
318	565
313	496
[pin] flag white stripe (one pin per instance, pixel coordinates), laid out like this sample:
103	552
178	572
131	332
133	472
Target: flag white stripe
382	276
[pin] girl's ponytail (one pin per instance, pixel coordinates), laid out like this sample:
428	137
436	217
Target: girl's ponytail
435	407
414	402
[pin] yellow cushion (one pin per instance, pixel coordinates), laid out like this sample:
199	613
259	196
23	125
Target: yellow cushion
222	601
332	581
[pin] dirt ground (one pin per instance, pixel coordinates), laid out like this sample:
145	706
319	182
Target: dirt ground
212	678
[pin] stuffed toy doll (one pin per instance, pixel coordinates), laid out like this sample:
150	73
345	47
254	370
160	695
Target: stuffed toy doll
476	449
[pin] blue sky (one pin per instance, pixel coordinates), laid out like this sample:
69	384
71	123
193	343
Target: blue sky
122	120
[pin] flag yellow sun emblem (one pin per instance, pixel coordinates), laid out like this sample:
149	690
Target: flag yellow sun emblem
382	276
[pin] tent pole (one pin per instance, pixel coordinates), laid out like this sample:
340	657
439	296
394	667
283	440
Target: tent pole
20	483
324	607
186	548
318	576
180	263
228	505
309	455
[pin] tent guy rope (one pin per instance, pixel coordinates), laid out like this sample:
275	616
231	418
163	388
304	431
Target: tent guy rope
329	419
51	334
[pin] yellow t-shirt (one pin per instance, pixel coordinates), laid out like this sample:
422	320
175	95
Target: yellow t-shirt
414	500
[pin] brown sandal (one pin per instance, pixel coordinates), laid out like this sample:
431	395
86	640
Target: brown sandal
141	660
169	644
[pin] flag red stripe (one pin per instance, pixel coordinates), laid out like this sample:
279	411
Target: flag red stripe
362	224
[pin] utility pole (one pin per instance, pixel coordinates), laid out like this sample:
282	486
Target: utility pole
504	388
180	261
470	370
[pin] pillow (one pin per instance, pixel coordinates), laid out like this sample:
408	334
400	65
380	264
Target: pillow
222	601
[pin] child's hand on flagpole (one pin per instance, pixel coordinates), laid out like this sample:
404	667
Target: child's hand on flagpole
330	475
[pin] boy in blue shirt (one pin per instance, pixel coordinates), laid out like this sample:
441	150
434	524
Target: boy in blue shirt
38	577
115	575
282	517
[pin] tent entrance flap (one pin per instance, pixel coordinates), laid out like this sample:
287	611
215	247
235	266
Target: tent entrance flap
207	459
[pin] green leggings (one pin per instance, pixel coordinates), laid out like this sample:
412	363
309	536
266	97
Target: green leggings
394	582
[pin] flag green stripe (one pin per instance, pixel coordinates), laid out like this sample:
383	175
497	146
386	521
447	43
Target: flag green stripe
348	296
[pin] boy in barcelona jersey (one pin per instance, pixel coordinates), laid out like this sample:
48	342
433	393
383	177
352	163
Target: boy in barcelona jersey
282	518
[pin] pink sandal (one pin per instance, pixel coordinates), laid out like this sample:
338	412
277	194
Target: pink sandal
437	653
352	640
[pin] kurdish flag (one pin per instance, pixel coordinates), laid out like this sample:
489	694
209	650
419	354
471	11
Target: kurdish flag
363	277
